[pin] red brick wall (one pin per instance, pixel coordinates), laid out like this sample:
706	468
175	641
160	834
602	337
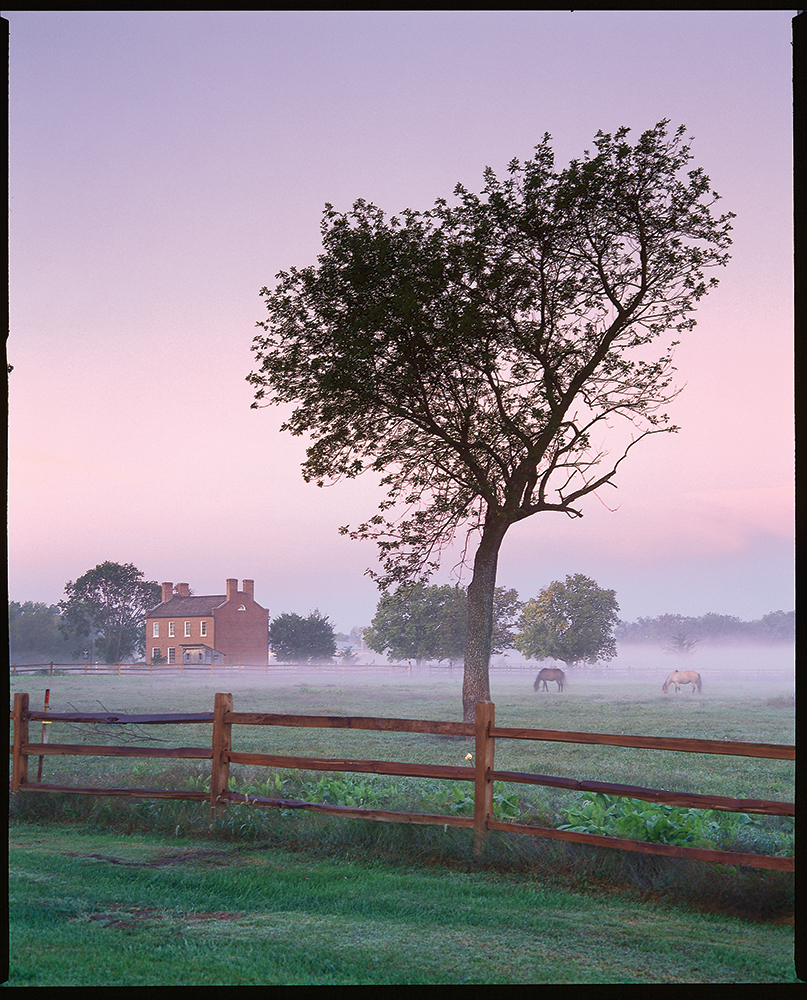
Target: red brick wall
176	641
243	636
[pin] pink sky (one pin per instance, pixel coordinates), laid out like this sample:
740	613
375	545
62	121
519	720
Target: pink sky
165	165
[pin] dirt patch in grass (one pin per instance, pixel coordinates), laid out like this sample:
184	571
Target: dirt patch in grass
205	858
127	917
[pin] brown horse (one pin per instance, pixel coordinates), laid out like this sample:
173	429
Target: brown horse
549	674
679	677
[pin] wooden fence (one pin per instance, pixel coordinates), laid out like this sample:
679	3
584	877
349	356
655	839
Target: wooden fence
482	774
609	671
214	669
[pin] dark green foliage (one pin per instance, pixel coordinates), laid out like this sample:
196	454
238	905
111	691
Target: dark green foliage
110	603
294	639
572	621
431	623
658	823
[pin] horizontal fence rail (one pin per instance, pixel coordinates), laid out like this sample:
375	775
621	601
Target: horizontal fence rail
611	671
482	774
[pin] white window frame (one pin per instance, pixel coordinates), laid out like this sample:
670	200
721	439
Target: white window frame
187	630
171	629
155	630
203	628
172	655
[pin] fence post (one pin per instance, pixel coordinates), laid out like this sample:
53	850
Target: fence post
51	668
222	743
483	781
19	765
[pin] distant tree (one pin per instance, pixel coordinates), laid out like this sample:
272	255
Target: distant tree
572	622
676	633
357	634
420	623
682	642
475	353
506	613
778	626
33	633
407	623
294	639
110	602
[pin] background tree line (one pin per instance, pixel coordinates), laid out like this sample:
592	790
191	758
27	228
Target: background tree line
680	633
574	621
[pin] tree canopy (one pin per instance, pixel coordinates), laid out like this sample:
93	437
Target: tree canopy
33	633
294	639
431	623
573	622
110	602
476	354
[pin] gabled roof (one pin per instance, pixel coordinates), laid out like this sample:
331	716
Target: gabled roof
188	607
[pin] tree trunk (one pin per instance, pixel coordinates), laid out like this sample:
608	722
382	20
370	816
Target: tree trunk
481	591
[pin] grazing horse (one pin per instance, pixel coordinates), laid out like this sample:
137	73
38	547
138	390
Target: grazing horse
549	674
679	677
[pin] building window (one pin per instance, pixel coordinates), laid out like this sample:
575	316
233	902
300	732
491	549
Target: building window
172	655
171	631
187	628
155	652
203	628
155	630
241	607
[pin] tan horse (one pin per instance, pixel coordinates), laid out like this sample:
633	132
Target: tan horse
549	674
679	677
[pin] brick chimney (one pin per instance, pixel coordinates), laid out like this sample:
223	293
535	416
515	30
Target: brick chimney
232	589
249	589
183	590
168	592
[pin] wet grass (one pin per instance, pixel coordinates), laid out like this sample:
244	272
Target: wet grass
751	713
102	909
747	712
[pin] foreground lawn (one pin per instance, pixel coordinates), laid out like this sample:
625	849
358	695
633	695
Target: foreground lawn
95	909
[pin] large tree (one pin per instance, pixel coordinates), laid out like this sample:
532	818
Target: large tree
477	354
294	639
110	602
572	621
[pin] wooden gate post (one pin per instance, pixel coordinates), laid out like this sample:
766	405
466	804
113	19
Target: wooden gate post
19	764
222	744
483	781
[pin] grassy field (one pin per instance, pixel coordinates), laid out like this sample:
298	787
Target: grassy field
95	909
148	893
750	711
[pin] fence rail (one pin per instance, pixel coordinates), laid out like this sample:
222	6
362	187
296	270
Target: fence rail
412	670
484	731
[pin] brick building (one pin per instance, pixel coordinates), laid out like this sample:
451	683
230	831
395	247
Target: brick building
217	628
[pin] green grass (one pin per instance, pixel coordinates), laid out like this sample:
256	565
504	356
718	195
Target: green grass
102	909
298	943
751	713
